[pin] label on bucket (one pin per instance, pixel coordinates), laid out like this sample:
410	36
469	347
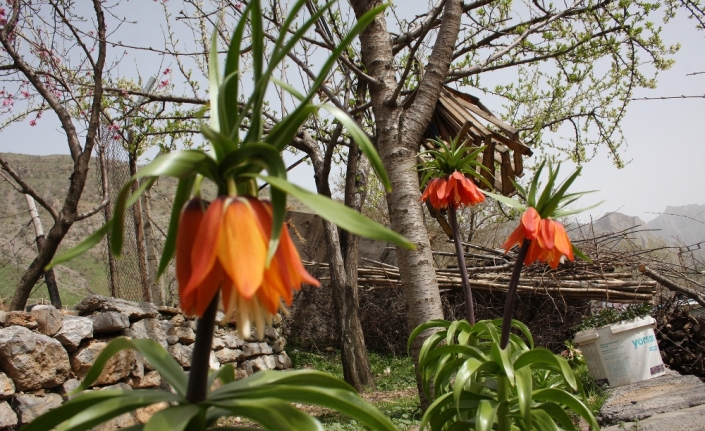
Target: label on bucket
643	341
657	369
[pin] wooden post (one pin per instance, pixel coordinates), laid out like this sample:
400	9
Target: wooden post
49	277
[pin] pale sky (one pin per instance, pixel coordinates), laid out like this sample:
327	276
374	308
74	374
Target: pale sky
666	143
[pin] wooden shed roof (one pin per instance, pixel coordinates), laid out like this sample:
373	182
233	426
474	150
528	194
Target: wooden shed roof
462	115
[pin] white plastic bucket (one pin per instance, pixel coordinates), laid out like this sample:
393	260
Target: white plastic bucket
622	353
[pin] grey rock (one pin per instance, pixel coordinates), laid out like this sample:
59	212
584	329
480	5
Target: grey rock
153	329
8	417
117	368
67	387
184	335
109	321
217	343
29	406
133	310
226	356
278	345
151	379
232	341
282	361
20	318
182	354
178	321
213	362
172	339
691	419
48	318
271	333
641	400
7	387
3	317
260	363
31	360
168	311
256	349
74	330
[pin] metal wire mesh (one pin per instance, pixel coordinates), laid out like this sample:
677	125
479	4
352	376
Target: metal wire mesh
123	273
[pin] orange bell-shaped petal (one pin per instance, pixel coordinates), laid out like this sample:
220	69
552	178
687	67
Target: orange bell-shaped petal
546	233
189	222
562	242
530	221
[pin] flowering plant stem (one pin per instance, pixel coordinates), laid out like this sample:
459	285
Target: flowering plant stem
512	294
198	377
467	292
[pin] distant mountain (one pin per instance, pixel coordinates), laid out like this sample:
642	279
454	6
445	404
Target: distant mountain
640	235
684	225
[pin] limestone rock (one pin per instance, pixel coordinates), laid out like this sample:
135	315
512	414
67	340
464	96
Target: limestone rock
283	362
151	379
278	345
21	318
48	318
32	360
153	329
256	349
217	343
74	330
67	387
168	311
133	310
3	317
178	321
271	333
182	354
7	387
226	356
30	406
123	421
144	414
260	363
232	341
184	335
117	368
109	321
8	417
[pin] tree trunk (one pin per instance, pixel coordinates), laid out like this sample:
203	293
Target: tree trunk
399	133
49	278
81	156
343	271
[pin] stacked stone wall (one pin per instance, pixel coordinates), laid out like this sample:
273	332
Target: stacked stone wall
44	353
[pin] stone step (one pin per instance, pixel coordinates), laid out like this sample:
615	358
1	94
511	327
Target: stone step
671	392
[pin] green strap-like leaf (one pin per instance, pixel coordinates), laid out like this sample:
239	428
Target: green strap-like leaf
214	86
485	416
342	401
103	411
157	356
503	358
439	323
298	377
271	413
54	417
542	421
559	414
562	397
339	214
182	195
363	142
524	385
506	201
534	358
82	247
173	418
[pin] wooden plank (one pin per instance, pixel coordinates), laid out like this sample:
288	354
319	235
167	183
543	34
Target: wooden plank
515	145
518	164
507	174
488	160
488	116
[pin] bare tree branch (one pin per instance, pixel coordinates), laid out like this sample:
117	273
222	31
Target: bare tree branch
26	189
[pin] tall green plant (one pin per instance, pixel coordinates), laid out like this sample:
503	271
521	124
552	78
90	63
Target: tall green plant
236	245
479	386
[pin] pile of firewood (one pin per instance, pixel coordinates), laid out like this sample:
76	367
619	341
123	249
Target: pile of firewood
681	339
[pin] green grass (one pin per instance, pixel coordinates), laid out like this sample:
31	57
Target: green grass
395	397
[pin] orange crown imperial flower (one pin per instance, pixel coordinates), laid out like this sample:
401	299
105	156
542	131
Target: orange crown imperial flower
457	190
549	240
225	246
